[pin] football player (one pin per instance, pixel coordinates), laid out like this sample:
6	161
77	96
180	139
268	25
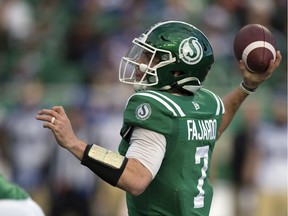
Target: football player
14	201
170	125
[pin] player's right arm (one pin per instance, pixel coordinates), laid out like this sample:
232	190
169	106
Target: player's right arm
235	98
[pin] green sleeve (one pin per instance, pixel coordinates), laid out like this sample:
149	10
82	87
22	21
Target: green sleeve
11	191
144	111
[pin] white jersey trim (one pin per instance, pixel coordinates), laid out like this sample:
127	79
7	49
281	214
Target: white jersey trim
218	101
182	114
159	100
222	105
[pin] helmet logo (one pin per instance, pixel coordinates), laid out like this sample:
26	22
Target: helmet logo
143	111
190	51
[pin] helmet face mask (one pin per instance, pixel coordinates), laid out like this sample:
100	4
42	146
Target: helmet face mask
139	66
164	49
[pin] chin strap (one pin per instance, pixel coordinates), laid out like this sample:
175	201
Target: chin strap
138	87
190	88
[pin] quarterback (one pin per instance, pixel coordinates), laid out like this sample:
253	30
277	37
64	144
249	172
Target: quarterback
170	124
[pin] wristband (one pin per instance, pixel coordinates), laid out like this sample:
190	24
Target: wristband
108	165
106	157
247	90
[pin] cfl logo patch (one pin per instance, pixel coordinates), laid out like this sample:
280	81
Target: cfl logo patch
143	111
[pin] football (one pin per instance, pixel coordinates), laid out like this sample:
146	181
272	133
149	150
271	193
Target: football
256	46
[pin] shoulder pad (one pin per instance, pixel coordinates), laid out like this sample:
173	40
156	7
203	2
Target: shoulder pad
150	110
219	108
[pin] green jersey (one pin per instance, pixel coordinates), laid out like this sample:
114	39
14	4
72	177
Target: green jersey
189	124
11	191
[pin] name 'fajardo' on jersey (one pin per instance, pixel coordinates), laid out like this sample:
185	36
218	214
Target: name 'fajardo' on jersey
202	129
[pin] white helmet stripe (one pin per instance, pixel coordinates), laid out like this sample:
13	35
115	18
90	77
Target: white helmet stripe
144	36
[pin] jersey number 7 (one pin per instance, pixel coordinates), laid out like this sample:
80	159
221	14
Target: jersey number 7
201	152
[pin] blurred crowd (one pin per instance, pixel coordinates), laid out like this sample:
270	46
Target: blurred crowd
67	53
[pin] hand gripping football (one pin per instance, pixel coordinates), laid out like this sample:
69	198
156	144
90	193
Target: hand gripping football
256	46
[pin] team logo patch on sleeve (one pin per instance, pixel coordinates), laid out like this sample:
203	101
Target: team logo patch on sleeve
143	111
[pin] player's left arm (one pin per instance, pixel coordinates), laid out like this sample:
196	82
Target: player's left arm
233	100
